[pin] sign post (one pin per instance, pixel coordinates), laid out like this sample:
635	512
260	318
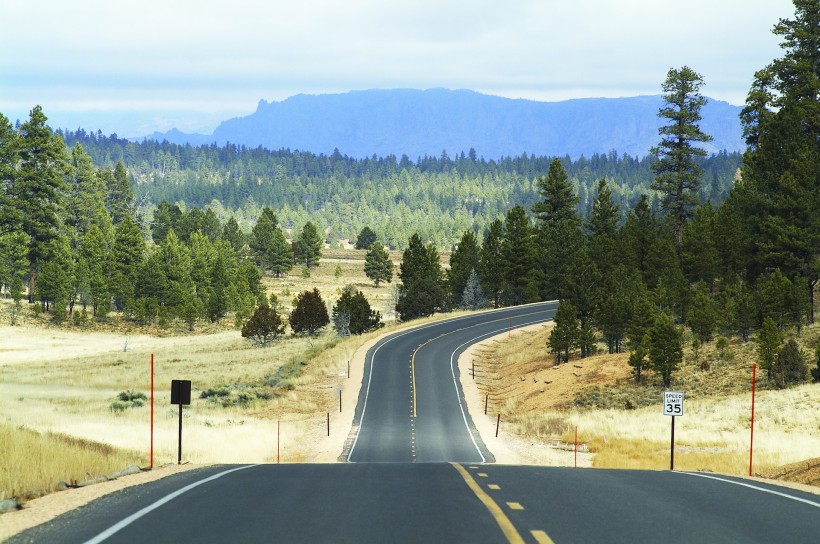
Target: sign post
181	395
672	406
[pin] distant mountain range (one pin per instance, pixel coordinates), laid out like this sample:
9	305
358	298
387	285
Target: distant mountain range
417	123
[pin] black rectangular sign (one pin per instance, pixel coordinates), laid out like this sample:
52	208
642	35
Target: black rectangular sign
181	392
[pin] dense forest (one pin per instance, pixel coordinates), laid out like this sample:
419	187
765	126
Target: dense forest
633	249
438	197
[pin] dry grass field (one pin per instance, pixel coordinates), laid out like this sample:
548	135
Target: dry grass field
622	422
60	417
66	381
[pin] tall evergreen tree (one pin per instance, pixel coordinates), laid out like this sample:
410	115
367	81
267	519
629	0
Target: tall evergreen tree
768	344
665	348
38	187
85	203
10	215
93	271
365	238
232	234
422	291
166	218
491	262
564	335
678	173
463	260
120	195
518	254
377	264
698	251
639	234
309	246
128	253
559	232
559	202
602	226
473	297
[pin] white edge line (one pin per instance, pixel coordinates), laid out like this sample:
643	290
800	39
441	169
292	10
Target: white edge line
453	372
415	329
151	507
750	486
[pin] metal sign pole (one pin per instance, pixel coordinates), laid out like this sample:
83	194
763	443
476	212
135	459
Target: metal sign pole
179	447
672	450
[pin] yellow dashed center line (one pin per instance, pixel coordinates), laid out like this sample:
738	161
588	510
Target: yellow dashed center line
494	487
515	506
541	537
509	530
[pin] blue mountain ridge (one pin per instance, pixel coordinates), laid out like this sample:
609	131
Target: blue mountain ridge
426	122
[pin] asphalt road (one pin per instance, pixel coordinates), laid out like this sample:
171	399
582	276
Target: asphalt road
419	473
410	407
439	502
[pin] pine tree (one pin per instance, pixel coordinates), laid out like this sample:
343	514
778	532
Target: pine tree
309	246
127	255
422	291
120	194
309	314
603	227
166	218
352	313
789	367
781	123
559	202
262	237
768	344
702	316
93	271
518	258
698	251
473	298
217	302
54	288
639	234
232	234
559	232
678	173
38	187
85	204
377	264
491	262
665	348
280	254
564	335
10	215
365	238
463	260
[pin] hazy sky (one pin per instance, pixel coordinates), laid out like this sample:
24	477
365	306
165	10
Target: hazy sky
188	63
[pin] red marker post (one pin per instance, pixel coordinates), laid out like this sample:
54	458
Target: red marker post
752	437
152	412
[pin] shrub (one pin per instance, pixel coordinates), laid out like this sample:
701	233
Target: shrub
310	313
264	326
789	366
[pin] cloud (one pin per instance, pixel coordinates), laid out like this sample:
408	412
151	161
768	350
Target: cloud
213	55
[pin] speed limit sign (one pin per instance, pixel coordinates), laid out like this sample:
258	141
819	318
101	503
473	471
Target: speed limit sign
673	403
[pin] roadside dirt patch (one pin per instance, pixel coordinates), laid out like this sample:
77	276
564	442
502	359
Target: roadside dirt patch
46	508
529	379
803	472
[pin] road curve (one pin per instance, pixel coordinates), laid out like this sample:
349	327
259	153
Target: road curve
411	407
438	502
